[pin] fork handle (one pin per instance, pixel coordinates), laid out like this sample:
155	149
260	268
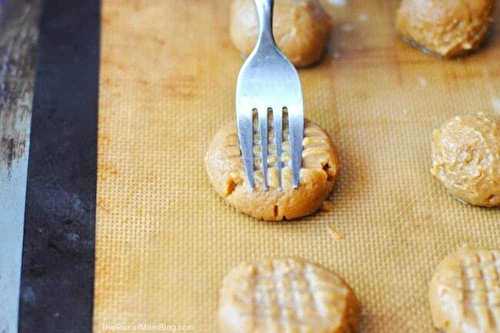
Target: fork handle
265	16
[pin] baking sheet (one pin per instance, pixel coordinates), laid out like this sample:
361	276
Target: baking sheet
59	223
165	239
18	39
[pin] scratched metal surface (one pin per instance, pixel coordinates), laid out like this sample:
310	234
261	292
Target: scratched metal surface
18	36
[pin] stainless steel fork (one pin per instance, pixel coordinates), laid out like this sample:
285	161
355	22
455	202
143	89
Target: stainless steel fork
268	83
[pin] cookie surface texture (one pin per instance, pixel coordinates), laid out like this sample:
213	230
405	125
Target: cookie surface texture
445	27
466	158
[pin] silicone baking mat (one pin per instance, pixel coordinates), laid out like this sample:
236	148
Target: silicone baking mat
165	239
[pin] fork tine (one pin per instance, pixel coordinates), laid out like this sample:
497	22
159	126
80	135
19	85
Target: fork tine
263	133
278	139
265	78
296	136
245	135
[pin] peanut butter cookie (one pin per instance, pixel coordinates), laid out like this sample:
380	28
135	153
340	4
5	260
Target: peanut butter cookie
446	27
466	158
320	167
286	295
465	292
301	28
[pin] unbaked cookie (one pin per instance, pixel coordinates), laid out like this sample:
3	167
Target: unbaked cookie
466	158
317	176
446	27
301	28
286	295
465	292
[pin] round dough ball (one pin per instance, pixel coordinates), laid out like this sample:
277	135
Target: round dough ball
465	292
446	27
286	295
466	158
301	28
319	170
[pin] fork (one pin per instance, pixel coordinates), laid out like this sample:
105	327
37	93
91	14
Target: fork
268	84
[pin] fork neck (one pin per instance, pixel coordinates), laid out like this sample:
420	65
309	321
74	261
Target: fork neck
265	16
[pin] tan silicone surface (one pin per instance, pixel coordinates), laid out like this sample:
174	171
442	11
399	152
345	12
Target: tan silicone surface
165	239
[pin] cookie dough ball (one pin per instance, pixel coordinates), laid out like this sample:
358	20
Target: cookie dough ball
319	170
446	27
286	295
466	158
301	28
465	292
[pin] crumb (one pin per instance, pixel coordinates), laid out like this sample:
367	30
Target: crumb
422	81
465	246
335	235
346	27
327	206
363	17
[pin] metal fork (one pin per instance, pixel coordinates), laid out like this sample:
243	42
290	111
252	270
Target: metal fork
268	82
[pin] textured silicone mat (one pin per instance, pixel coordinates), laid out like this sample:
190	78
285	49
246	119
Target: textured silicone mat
165	239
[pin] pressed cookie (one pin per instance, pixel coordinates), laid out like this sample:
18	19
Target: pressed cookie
465	292
320	167
286	295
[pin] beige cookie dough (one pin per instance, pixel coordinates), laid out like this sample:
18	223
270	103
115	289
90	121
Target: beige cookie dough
301	28
466	158
465	292
286	295
445	27
319	169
